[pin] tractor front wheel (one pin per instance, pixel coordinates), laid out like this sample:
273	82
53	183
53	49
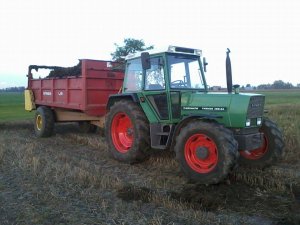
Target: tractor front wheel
43	122
206	152
127	132
271	150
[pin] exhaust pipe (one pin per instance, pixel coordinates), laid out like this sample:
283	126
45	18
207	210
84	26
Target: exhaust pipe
228	72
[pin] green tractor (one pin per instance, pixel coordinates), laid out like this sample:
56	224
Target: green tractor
165	104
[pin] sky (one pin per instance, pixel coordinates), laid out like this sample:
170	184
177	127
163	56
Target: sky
263	35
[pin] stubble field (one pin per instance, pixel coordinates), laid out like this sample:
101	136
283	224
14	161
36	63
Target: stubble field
70	178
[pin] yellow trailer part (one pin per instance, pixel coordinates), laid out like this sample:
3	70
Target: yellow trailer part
29	100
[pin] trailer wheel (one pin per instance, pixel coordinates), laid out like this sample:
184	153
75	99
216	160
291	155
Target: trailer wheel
206	152
271	150
87	127
127	132
43	122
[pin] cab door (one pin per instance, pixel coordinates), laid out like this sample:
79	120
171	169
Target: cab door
155	88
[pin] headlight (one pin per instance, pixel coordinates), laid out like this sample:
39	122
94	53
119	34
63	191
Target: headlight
248	122
258	121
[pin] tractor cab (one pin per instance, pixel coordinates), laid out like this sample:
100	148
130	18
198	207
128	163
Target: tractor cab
179	68
160	77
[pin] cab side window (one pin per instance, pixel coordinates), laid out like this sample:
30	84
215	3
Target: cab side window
134	76
155	79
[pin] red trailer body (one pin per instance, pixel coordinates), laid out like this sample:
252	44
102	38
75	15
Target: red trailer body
87	93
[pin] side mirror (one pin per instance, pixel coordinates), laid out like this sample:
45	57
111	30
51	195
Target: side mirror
205	63
145	58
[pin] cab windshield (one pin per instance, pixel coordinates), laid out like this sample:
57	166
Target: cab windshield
185	72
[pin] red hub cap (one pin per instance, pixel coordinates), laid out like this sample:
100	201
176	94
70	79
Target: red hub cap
122	132
256	153
201	153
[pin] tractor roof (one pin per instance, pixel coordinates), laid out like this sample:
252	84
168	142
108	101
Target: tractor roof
170	49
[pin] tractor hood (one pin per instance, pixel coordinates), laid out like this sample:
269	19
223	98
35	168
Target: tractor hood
232	110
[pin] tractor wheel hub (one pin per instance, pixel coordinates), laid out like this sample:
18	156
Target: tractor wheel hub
202	152
129	131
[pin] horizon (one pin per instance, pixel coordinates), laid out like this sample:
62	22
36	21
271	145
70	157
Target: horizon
243	87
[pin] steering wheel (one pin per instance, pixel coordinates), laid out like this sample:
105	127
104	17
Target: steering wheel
178	83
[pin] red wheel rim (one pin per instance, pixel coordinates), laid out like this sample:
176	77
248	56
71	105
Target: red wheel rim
207	162
257	153
122	132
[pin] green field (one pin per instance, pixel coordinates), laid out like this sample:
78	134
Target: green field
12	107
12	104
281	96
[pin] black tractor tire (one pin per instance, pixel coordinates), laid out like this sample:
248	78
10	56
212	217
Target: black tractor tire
207	152
86	127
270	152
127	132
43	122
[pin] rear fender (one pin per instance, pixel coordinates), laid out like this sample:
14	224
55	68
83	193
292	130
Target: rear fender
114	98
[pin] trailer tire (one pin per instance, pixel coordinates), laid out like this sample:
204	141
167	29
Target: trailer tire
270	152
43	122
86	127
127	132
207	152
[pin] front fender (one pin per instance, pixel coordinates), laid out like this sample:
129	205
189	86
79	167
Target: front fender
188	118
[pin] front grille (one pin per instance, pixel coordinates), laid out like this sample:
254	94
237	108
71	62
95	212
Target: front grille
256	107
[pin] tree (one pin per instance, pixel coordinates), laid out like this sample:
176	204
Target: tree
288	85
279	84
264	86
131	45
13	89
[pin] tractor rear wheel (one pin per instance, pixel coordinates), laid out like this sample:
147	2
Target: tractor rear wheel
271	150
206	152
127	132
43	122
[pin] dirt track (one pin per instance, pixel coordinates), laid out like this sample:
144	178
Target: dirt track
71	179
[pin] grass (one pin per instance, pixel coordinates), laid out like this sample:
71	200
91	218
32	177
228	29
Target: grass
71	179
284	108
12	107
62	176
287	116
